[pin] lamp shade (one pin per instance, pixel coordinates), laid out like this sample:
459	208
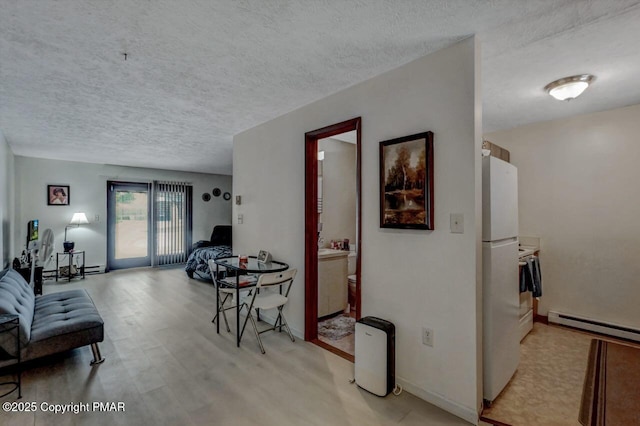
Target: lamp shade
79	219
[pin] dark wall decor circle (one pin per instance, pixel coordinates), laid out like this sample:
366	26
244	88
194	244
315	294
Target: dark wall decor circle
216	192
226	196
206	197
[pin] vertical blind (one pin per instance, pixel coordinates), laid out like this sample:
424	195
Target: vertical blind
172	222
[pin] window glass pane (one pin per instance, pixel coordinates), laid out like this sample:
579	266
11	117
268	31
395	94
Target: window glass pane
132	228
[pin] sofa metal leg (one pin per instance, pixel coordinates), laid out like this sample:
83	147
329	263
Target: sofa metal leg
97	358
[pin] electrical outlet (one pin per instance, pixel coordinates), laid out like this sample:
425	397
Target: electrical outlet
456	223
97	218
240	219
427	336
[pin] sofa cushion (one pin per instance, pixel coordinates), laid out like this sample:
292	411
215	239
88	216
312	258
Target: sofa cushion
63	313
16	297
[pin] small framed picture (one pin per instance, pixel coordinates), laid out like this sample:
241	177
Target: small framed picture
58	195
264	256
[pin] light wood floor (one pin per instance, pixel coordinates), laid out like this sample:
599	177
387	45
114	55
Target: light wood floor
165	361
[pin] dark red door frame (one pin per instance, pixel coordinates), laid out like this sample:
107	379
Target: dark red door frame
311	220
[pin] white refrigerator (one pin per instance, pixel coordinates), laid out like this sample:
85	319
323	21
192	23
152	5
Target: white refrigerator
500	295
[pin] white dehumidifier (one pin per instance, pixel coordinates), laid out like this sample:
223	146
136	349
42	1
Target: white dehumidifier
375	358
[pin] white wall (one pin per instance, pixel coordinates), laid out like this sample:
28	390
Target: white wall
88	193
412	278
6	202
578	191
338	190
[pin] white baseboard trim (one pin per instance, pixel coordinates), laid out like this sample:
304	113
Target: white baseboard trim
465	413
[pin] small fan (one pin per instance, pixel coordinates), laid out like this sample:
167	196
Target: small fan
44	249
46	246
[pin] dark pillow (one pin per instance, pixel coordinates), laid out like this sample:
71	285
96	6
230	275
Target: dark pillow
221	235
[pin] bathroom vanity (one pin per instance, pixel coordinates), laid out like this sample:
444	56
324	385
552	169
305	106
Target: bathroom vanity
332	281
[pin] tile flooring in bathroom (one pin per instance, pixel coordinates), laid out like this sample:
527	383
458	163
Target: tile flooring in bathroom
346	343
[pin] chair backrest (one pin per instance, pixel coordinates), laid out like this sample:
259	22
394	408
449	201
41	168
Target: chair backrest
277	278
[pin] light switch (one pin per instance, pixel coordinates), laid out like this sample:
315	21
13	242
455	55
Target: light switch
457	223
240	219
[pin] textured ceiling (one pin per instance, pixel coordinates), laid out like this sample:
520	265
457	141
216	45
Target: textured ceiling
199	72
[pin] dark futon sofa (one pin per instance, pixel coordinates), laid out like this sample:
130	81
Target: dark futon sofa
49	324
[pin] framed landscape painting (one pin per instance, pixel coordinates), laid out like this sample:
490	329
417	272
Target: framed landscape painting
406	182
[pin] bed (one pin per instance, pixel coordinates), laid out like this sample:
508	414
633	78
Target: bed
218	246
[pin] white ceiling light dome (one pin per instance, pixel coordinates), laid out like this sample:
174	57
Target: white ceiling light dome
568	88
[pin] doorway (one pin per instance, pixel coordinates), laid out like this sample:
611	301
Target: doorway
313	230
128	225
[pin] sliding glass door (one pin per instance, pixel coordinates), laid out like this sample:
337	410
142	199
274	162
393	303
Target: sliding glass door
172	223
128	225
148	224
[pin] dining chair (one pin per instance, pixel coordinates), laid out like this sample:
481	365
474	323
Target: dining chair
265	297
224	294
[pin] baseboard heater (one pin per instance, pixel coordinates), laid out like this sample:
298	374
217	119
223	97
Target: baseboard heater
88	270
601	327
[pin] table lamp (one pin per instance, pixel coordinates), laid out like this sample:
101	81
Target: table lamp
77	220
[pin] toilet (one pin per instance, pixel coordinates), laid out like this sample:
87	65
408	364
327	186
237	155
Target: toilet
352	277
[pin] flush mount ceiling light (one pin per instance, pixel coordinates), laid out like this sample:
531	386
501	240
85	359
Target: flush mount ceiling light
569	88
